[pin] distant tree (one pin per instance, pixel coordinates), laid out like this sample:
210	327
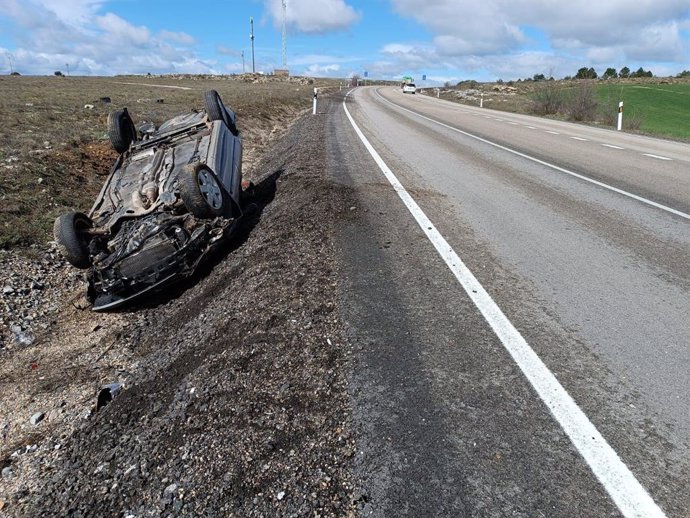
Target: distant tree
354	80
500	81
684	73
586	73
567	78
15	73
641	72
58	73
610	73
624	72
539	77
447	84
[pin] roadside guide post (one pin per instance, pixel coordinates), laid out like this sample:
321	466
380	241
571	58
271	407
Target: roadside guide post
620	115
481	100
438	93
316	93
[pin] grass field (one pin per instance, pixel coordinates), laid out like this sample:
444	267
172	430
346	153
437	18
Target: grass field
663	109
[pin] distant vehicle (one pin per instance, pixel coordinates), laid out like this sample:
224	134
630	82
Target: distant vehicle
174	192
409	88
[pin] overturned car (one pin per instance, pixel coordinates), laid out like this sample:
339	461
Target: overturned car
174	192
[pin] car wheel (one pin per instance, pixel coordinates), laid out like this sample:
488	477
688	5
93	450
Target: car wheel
201	192
121	130
70	232
215	109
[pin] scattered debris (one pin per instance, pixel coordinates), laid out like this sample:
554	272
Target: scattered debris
89	106
7	472
37	418
21	337
105	99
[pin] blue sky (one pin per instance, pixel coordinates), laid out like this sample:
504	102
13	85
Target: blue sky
448	40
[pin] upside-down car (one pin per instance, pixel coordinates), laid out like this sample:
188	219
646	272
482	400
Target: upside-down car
174	192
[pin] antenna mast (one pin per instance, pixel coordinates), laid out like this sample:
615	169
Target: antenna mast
284	34
251	37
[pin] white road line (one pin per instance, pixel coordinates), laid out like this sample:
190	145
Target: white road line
514	123
612	146
627	493
552	132
580	138
657	156
544	163
530	127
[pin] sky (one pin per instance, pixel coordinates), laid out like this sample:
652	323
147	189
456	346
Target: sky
445	40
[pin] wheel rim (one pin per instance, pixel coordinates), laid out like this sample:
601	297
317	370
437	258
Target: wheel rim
210	190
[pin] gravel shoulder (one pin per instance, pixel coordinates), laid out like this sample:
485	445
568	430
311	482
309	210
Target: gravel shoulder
234	399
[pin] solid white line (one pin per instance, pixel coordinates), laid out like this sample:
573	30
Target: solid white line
657	156
530	127
580	138
612	146
514	123
627	493
552	132
544	163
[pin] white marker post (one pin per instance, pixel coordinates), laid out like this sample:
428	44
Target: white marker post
316	93
438	93
620	115
481	100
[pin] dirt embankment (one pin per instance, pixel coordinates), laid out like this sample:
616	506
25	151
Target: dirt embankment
234	399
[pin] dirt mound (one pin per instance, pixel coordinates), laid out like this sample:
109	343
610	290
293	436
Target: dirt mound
234	400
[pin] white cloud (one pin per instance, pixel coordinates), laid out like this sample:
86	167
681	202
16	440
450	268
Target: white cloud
177	37
644	29
51	33
313	16
118	28
322	70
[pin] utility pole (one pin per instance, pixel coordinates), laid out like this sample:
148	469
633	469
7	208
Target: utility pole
251	37
243	62
284	34
67	65
9	58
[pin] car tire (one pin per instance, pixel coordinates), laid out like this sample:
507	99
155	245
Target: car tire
201	192
121	130
215	109
70	234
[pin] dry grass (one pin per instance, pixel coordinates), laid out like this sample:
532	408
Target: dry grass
54	152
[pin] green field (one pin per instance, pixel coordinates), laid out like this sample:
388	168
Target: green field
663	109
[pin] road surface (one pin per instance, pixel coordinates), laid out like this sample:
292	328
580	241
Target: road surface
518	311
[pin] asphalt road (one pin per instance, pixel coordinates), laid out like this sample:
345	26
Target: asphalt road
580	237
